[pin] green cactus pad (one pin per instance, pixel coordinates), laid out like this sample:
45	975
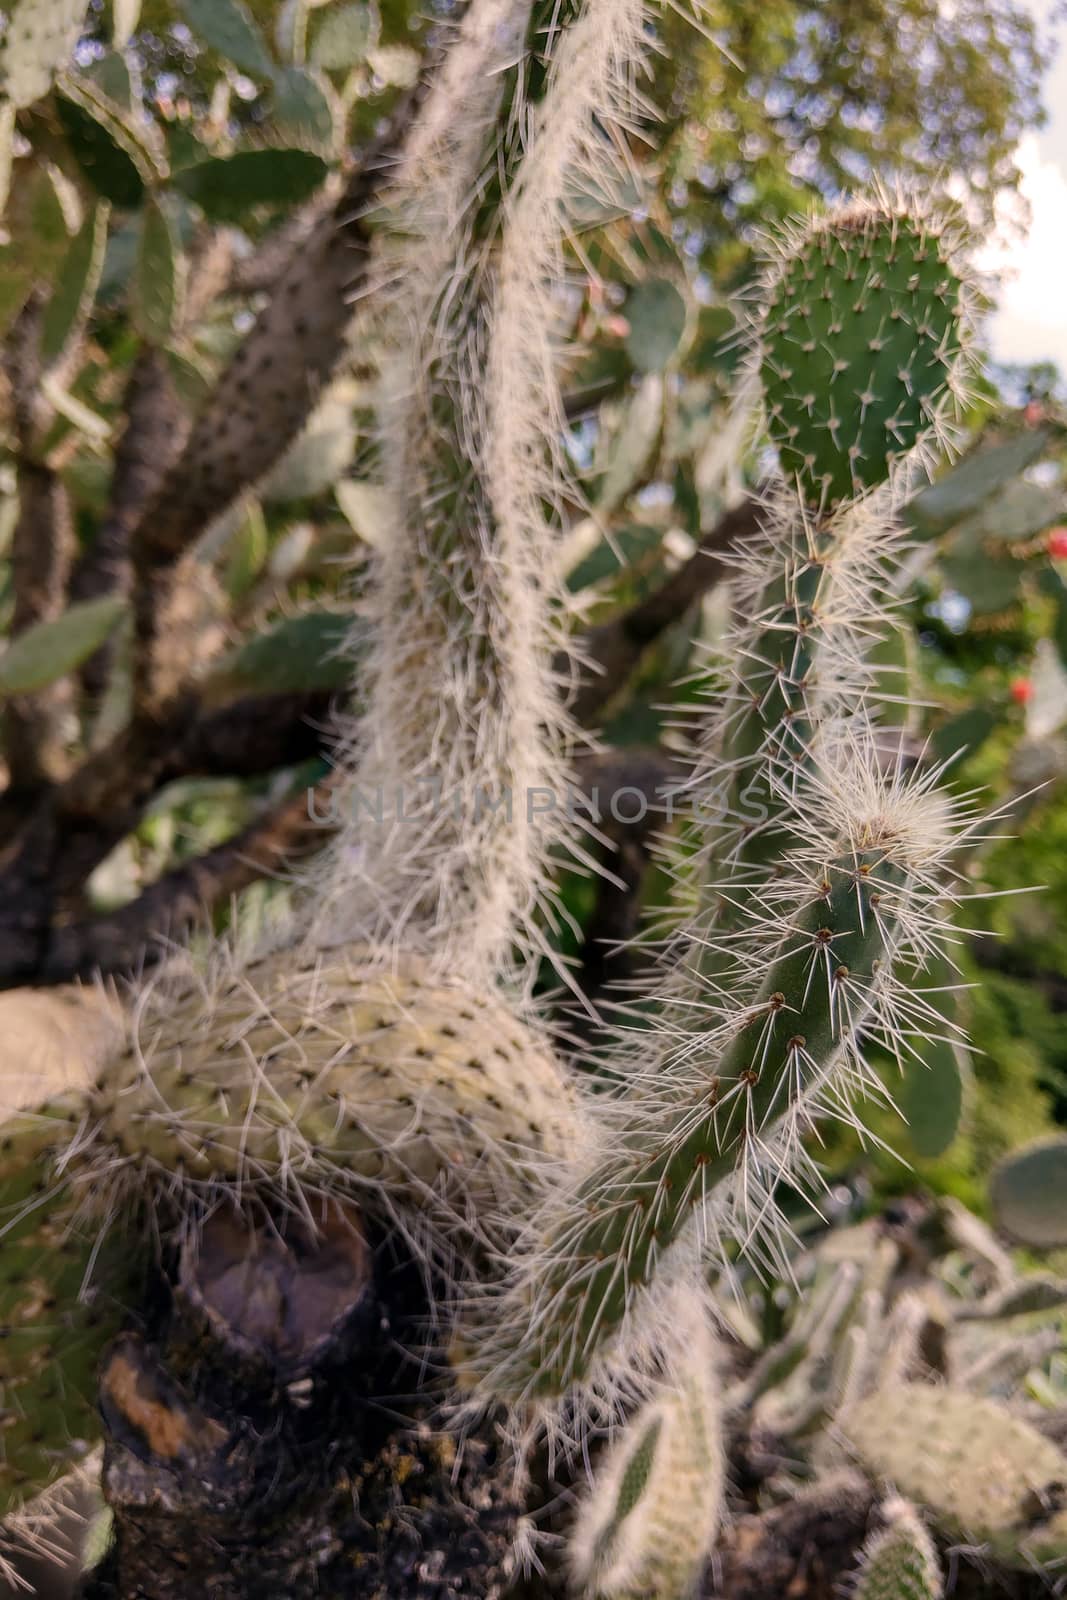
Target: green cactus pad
338	1070
900	1563
1029	1193
859	344
61	1299
983	1473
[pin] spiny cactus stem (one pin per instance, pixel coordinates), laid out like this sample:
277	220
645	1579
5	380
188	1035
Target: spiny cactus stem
771	729
813	995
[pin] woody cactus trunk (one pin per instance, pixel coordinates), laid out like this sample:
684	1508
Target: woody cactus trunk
341	1259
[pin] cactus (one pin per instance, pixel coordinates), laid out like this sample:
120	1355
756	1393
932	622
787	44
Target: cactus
718	1123
286	1075
859	346
815	583
900	1562
386	1046
1027	1193
463	715
40	37
646	1528
984	1473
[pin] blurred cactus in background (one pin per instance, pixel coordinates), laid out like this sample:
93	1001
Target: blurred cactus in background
499	663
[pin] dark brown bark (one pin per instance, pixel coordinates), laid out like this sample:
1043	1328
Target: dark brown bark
252	736
615	647
802	1549
140	933
259	405
155	431
34	742
631	787
36	739
267	1434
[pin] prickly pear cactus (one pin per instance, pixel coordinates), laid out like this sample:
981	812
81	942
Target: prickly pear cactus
984	1473
1027	1193
860	346
337	1068
900	1562
651	1519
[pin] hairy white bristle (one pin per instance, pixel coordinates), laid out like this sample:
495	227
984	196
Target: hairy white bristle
457	793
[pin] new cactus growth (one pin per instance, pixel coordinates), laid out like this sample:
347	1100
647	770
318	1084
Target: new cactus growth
646	1528
860	347
900	1562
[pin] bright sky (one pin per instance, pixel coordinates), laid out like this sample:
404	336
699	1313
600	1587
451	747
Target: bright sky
1031	323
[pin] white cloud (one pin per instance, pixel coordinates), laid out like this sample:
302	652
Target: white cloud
1031	321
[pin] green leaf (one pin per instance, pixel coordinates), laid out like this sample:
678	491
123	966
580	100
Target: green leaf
159	277
1018	511
50	650
968	486
118	157
192	378
656	312
76	284
306	107
345	38
227	187
36	225
626	546
301	653
316	458
966	732
228	27
990	583
40	38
